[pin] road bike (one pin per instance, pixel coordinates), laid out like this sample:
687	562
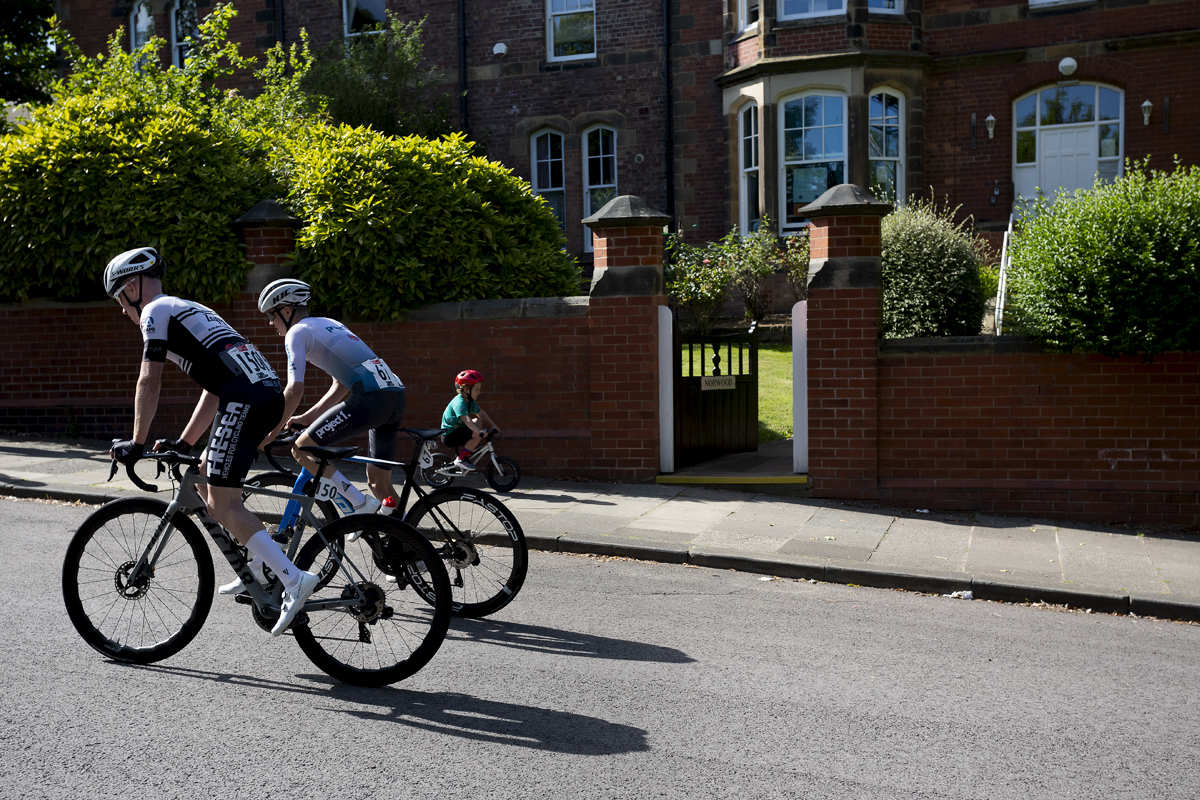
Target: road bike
478	538
501	472
138	580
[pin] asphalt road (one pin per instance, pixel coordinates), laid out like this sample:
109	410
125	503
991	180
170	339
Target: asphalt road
610	679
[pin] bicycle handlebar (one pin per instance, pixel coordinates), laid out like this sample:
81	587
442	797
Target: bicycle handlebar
168	457
283	438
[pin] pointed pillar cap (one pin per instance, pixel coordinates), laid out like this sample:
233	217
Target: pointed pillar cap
846	199
627	211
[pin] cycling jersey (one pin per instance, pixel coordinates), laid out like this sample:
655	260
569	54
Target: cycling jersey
195	338
329	345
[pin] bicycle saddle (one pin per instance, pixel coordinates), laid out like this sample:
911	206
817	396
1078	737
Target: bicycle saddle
423	433
330	453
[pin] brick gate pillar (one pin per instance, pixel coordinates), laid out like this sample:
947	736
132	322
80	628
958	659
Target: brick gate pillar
845	317
627	289
269	233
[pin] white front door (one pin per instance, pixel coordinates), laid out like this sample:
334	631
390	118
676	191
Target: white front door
1068	158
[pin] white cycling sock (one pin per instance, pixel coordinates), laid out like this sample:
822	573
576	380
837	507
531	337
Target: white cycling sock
347	489
263	546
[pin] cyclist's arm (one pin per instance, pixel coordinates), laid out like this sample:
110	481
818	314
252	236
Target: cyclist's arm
337	392
291	401
202	417
488	424
145	401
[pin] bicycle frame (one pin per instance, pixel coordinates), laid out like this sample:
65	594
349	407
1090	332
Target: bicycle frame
187	500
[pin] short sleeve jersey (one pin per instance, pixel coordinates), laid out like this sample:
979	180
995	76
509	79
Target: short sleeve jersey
202	344
331	346
458	407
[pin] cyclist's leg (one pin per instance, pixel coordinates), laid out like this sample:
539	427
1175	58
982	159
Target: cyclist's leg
355	415
384	440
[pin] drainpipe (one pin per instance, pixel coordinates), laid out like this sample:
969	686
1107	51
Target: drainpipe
670	109
462	65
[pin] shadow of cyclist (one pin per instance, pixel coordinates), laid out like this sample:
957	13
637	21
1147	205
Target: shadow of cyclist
540	639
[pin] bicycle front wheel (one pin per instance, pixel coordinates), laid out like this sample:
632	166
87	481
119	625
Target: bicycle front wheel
481	543
142	617
503	474
373	631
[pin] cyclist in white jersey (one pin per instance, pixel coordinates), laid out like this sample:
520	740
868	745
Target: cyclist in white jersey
365	396
241	400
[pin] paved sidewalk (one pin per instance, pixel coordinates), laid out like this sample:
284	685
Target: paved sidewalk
1148	572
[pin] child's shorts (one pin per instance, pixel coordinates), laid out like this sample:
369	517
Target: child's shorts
458	437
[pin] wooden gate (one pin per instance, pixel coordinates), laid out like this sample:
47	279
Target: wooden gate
716	396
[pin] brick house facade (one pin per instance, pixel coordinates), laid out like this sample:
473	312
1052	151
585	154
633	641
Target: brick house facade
720	111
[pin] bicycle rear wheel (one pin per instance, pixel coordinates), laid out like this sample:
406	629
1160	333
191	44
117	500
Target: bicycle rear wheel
138	618
269	510
481	543
435	476
389	632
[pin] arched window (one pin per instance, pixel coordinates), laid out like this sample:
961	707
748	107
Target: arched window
1063	136
141	26
546	155
185	25
886	147
749	212
813	144
599	172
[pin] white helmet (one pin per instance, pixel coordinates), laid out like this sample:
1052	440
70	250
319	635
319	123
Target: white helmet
139	261
284	292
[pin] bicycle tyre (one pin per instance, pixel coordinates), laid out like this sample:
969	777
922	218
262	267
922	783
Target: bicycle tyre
396	632
507	477
488	580
127	623
269	510
435	479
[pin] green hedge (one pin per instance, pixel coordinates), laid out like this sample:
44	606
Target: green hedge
931	273
1112	270
94	176
423	221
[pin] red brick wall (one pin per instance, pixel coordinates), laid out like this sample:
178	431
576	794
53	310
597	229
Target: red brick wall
576	395
1060	435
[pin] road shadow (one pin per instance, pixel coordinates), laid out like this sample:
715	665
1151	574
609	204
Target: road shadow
536	638
451	713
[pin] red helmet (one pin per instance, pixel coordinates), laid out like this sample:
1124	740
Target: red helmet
468	377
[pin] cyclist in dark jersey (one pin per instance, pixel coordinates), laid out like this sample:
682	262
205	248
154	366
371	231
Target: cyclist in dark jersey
241	400
365	395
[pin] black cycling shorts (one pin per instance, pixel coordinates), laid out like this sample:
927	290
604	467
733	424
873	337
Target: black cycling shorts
458	437
380	412
246	413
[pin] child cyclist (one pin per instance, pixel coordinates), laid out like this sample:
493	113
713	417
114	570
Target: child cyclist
465	425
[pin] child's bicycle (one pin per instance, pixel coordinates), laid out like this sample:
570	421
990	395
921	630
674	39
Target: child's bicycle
477	537
138	581
502	473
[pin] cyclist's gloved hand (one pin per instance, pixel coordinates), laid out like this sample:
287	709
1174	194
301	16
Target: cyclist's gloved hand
127	451
172	445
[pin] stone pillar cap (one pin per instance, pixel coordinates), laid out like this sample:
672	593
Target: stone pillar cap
627	211
267	214
846	199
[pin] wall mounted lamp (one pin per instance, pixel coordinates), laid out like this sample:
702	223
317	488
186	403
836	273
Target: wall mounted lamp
1146	107
990	121
1067	66
500	49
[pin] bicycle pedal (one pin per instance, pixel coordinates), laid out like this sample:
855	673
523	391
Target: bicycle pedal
243	598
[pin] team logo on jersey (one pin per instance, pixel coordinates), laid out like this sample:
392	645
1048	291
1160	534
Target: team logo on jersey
148	325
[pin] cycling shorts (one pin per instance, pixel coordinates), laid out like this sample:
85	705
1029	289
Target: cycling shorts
458	437
379	412
246	413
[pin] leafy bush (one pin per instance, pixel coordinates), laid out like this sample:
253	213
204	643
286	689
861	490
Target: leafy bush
753	258
424	221
793	263
697	278
931	281
131	154
378	80
1112	270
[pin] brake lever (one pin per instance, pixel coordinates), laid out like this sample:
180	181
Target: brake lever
112	470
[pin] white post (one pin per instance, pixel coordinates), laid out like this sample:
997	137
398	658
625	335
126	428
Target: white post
666	391
800	388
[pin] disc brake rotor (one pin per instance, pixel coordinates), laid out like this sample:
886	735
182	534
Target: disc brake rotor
135	590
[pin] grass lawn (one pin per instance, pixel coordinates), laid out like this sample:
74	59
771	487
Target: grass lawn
774	392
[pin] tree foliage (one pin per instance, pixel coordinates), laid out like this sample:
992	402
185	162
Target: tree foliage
1114	269
26	56
377	79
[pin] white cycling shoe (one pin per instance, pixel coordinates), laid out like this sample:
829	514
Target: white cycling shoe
370	505
237	587
293	601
